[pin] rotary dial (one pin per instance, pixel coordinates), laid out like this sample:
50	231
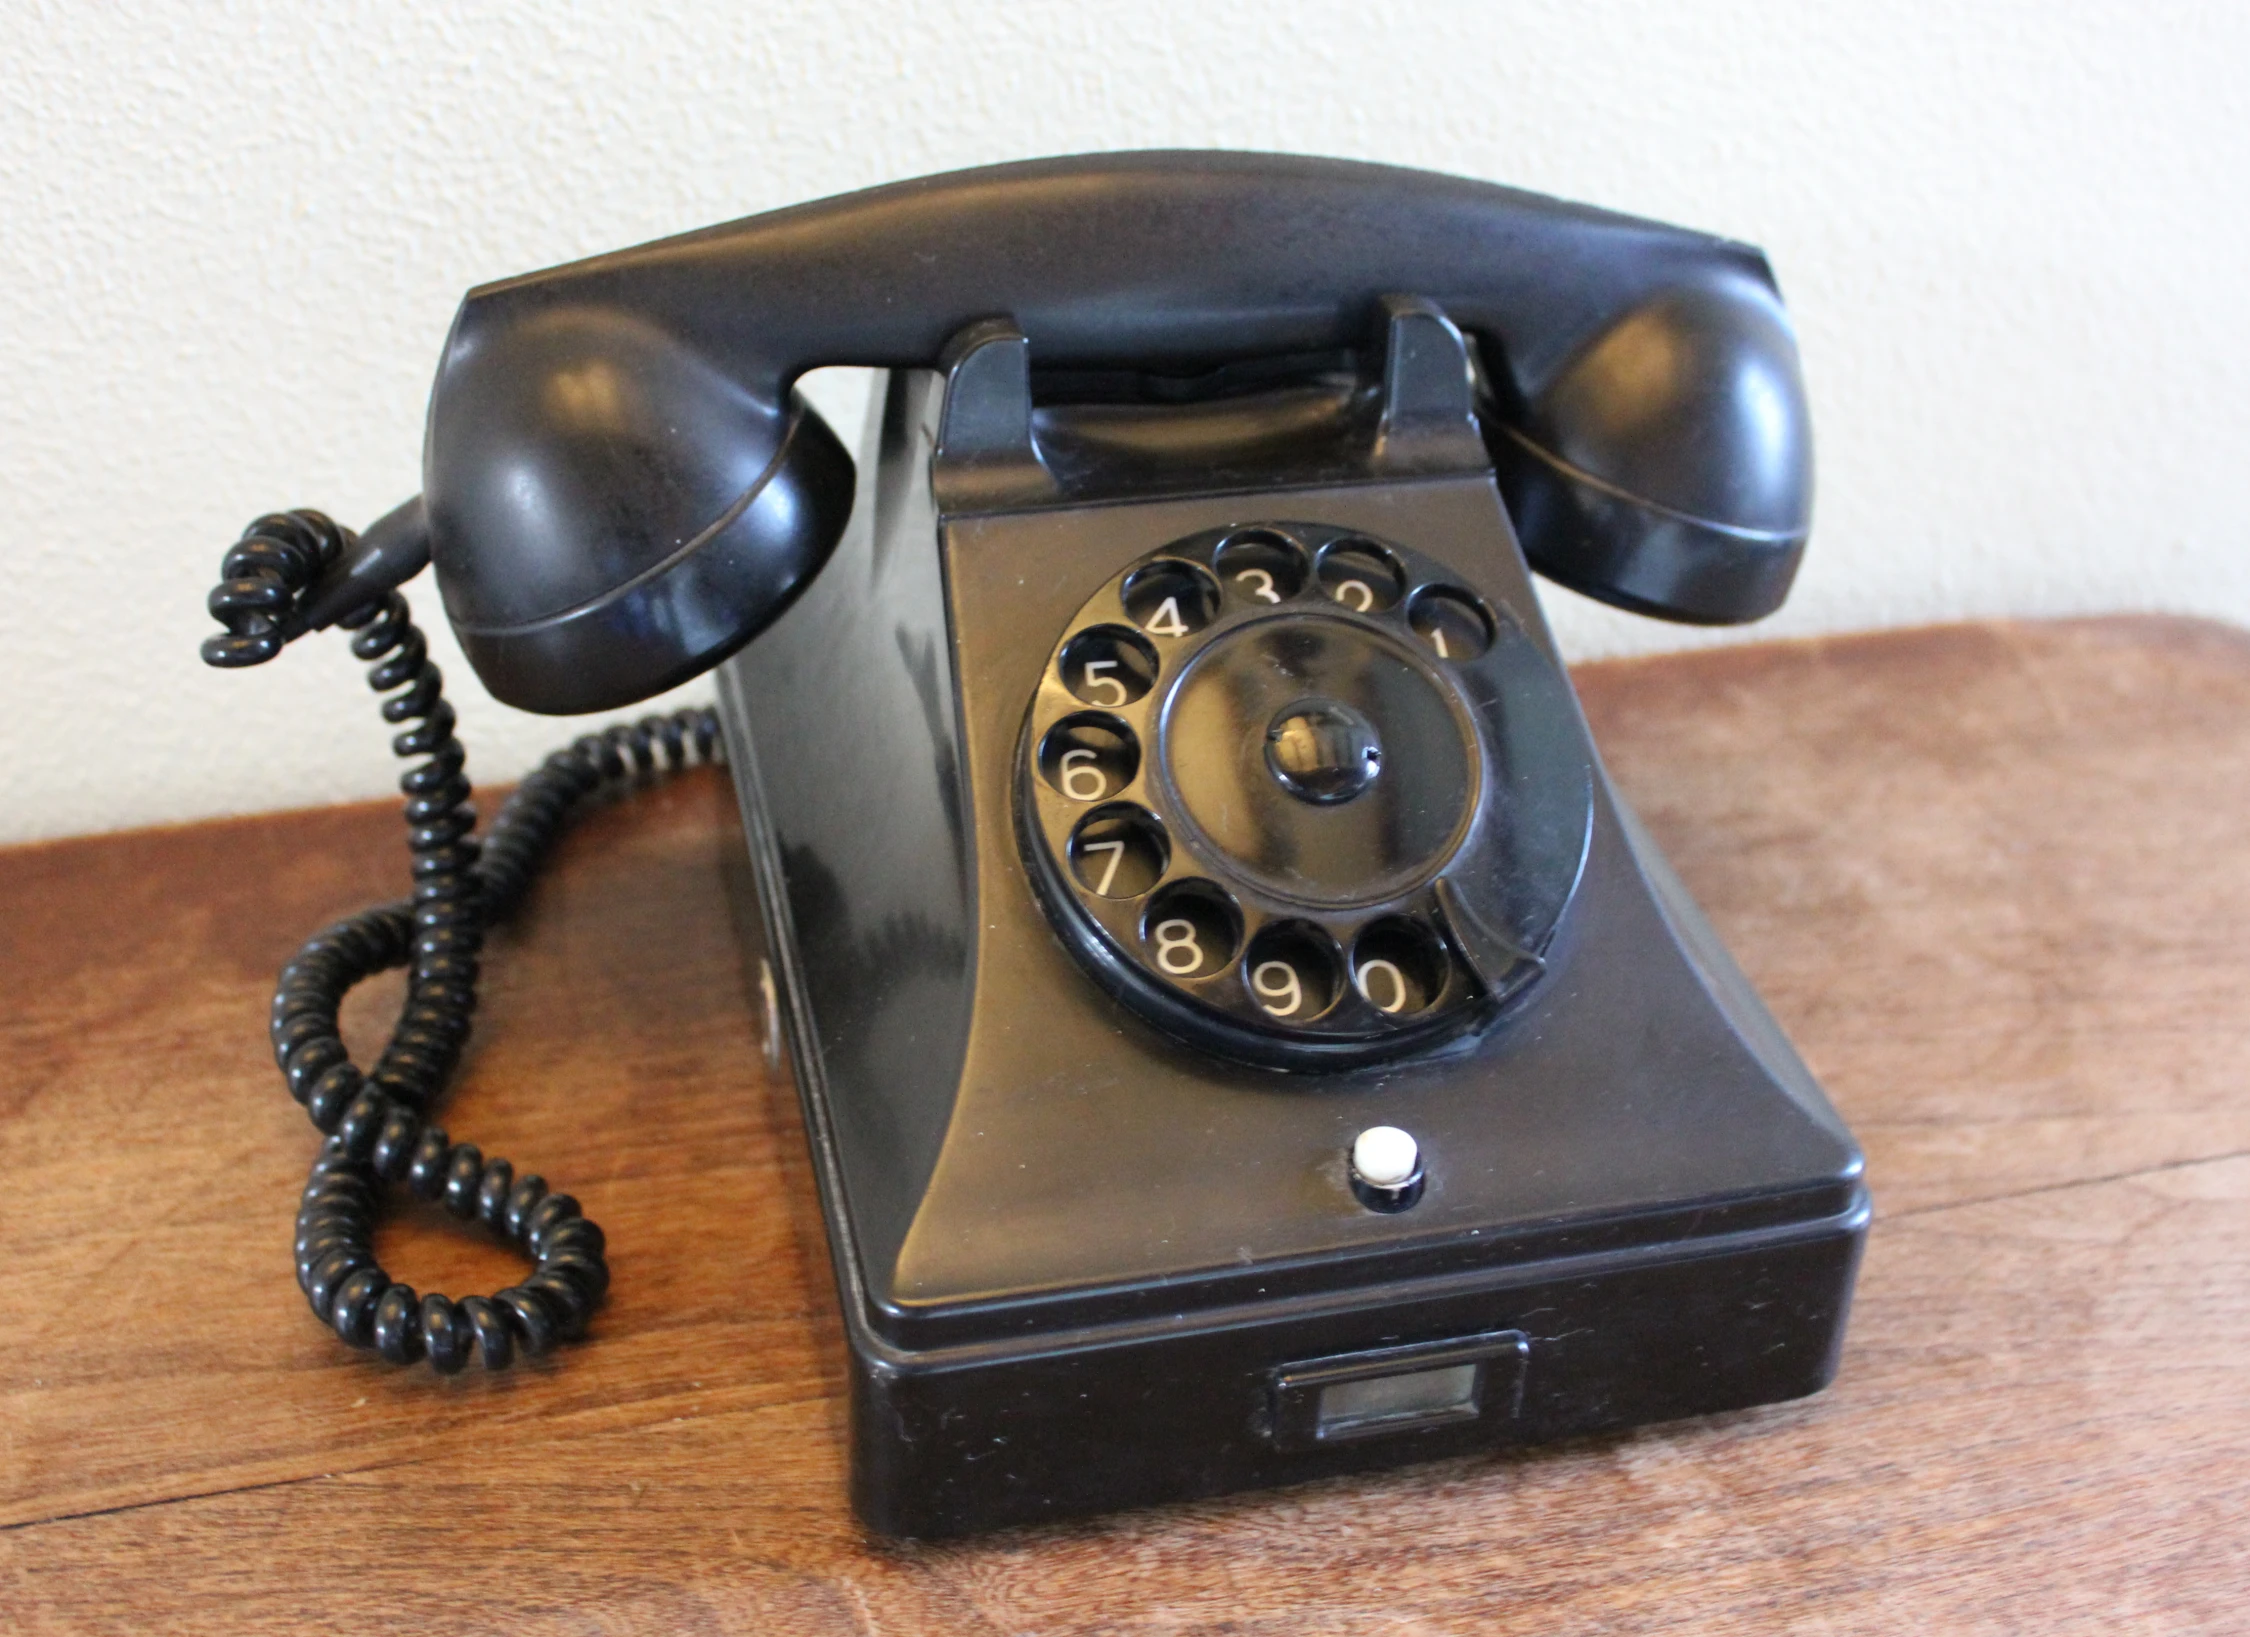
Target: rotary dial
1299	795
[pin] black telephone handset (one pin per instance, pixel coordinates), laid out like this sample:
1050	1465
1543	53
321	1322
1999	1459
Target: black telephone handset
1240	1033
621	487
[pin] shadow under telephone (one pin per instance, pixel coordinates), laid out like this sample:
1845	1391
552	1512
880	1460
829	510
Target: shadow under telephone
1240	1032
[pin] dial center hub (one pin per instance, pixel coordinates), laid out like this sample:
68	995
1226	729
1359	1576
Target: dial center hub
1318	759
1323	751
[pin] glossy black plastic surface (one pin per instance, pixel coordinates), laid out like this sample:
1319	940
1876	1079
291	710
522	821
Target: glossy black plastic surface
1076	1255
620	489
1344	754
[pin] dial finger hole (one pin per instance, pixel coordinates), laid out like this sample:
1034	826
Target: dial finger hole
1118	852
1191	930
1108	665
1261	566
1089	756
1361	575
1452	622
1170	598
1398	967
1293	971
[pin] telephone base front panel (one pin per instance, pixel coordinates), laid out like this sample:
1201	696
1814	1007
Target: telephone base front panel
1177	1409
1094	1250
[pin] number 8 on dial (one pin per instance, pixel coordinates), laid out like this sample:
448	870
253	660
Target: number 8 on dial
1192	930
1177	952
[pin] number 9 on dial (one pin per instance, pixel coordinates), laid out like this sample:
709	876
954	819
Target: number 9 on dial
1293	972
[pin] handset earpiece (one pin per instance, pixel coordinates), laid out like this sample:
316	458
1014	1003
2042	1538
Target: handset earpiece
1666	465
611	513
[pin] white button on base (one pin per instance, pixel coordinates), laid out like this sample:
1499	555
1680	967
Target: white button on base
1385	1157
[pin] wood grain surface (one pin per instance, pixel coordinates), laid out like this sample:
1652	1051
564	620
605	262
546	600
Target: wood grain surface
1994	879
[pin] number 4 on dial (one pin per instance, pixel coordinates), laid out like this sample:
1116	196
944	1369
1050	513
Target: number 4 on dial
1166	621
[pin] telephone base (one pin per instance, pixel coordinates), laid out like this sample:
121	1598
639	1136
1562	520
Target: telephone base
1090	1257
1587	1328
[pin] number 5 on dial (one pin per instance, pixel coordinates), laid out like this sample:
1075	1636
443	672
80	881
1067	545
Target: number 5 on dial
1094	683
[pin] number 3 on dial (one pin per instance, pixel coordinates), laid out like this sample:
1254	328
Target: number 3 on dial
1260	584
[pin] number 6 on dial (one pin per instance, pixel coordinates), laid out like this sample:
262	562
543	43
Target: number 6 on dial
1088	756
1082	778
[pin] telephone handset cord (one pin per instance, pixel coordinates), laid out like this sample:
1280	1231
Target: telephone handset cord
377	1121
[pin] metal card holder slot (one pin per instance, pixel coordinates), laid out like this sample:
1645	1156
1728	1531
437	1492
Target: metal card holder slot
1399	1389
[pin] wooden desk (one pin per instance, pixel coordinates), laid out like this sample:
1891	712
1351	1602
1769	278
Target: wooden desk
1994	879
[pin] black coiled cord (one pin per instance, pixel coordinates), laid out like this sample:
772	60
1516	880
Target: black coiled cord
377	1122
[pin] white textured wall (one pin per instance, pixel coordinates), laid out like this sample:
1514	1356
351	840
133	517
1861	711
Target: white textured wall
2013	235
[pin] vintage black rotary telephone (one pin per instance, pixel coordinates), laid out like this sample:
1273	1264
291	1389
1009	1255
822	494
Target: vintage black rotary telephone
1241	1034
